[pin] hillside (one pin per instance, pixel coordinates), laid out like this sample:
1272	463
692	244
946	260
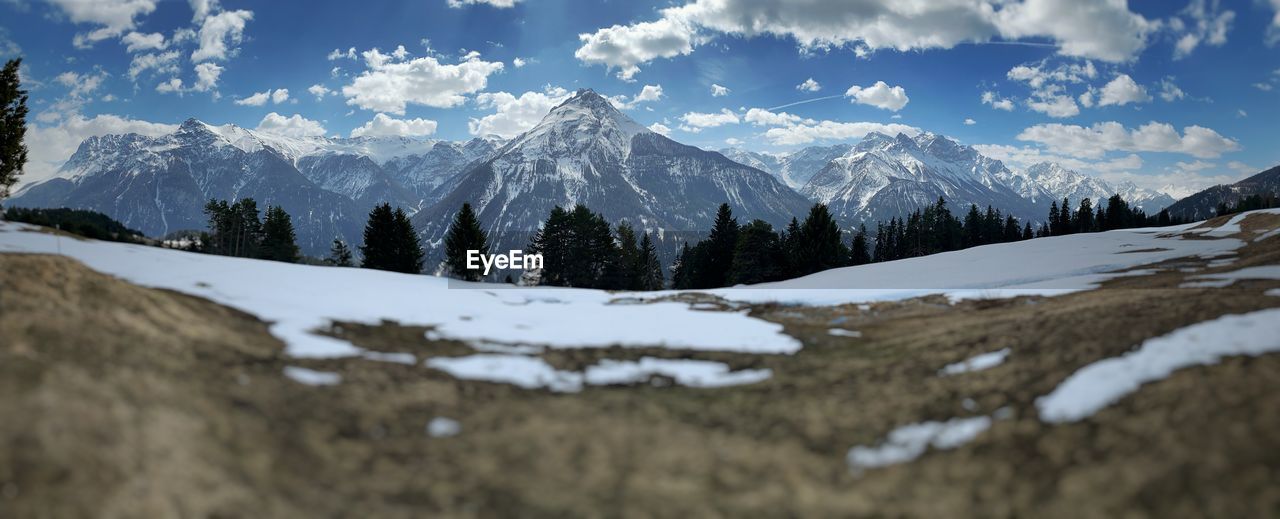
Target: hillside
1205	203
298	390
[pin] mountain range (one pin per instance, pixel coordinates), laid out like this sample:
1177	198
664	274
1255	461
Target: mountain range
583	151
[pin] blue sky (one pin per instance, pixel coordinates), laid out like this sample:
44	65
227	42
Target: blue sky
1180	94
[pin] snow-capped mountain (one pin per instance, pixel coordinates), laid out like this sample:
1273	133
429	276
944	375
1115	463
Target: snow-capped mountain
1048	182
160	185
884	177
794	169
586	151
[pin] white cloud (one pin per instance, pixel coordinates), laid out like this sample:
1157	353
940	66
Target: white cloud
1098	29
1265	87
81	84
970	122
762	117
1193	167
809	85
733	141
1121	91
1094	141
136	41
292	126
719	90
172	86
383	125
1242	168
51	146
514	115
647	94
1207	25
625	47
1021	157
259	99
389	85
201	9
1058	106
337	54
1039	76
220	34
660	128
994	99
832	130
1241	113
456	4
207	75
1273	32
518	62
319	91
879	95
1170	91
113	17
694	122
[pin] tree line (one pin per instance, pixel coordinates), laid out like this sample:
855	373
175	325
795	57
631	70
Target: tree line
1249	203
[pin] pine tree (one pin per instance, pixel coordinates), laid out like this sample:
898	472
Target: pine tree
339	254
715	258
13	126
680	268
464	235
1084	216
279	243
650	270
1055	222
858	255
1027	233
623	272
234	229
390	243
552	242
820	245
789	240
757	256
1012	232
1065	219
972	227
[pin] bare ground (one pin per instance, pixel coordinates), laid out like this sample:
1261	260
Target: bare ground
121	401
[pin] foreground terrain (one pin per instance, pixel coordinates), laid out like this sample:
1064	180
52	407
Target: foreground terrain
1085	375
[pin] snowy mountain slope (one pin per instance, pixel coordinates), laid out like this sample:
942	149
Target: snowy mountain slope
159	185
884	177
586	151
1205	203
794	169
1047	182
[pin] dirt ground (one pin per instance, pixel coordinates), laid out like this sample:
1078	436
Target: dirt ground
121	401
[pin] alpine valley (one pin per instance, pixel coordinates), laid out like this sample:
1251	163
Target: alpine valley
583	151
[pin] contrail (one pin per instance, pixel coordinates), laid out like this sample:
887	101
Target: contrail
805	101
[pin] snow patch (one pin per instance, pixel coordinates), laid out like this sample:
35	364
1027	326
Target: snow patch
908	442
441	427
535	373
312	377
1102	383
841	332
976	363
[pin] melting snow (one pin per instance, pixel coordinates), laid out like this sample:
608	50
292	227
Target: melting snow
312	377
1102	383
1223	279
841	332
441	427
533	372
908	442
976	363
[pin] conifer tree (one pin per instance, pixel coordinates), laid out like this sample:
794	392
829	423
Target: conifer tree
1011	230
650	269
714	256
819	245
1065	219
390	243
339	254
279	243
858	254
680	268
623	271
13	126
1027	233
552	242
757	256
972	227
464	234
1084	216
1055	222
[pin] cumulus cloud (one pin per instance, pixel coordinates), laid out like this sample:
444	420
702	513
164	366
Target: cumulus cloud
319	91
647	94
762	117
1273	32
207	75
1021	157
276	96
383	125
51	146
694	122
1121	91
879	95
518	62
660	128
809	85
136	41
1169	91
292	126
112	17
832	130
389	84
1098	29
514	115
997	102
969	121
1204	23
719	90
337	54
625	47
220	34
1094	141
